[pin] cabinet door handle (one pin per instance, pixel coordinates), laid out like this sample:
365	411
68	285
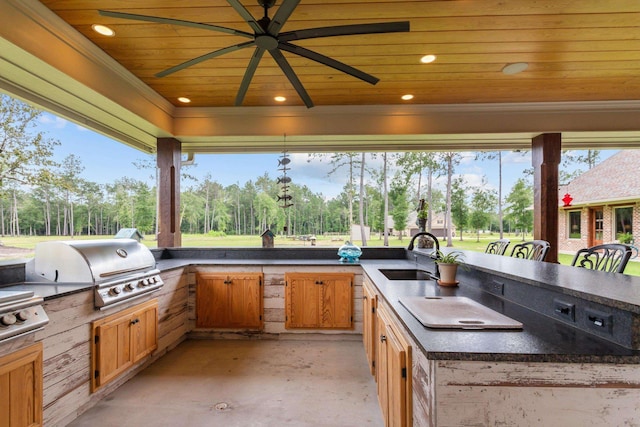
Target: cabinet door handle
319	282
383	338
134	321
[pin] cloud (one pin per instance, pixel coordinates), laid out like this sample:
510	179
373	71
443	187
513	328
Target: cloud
53	121
516	157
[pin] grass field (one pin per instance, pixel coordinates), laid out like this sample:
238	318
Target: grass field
26	244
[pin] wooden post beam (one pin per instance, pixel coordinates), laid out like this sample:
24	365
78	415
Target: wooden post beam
169	158
546	152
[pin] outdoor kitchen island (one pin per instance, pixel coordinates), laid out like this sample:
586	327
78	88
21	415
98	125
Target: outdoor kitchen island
554	370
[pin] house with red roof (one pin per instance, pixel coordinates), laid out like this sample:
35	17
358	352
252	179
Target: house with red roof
602	205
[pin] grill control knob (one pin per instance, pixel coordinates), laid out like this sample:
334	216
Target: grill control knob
145	282
23	315
129	287
114	291
8	319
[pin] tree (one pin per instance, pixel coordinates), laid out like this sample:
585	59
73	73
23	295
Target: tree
400	206
496	155
337	161
520	202
483	203
69	181
459	210
25	155
361	203
589	158
386	202
267	210
415	163
451	159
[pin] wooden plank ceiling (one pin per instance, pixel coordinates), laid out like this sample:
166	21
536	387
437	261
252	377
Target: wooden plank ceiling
576	50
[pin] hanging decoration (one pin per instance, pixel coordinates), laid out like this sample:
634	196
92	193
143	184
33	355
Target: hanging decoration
285	198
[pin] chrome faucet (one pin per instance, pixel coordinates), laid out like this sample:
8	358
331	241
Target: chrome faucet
436	244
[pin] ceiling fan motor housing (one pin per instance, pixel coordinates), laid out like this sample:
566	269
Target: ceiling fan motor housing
266	3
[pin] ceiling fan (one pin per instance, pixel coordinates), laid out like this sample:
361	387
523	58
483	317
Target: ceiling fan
266	36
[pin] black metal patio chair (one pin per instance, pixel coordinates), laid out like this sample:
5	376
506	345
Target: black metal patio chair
609	257
535	250
498	247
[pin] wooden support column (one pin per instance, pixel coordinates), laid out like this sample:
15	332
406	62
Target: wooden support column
169	158
546	152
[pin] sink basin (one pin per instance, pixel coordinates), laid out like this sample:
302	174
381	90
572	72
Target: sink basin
406	274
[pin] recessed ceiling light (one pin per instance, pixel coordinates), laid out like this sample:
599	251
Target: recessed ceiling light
407	97
515	68
184	100
280	98
427	59
104	30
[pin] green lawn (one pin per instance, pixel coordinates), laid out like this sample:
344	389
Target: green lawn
468	242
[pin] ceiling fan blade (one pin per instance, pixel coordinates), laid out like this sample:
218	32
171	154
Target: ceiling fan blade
209	55
291	75
159	20
345	30
244	14
248	75
284	12
340	66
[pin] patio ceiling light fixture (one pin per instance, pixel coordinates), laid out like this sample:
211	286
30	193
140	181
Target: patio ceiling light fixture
104	30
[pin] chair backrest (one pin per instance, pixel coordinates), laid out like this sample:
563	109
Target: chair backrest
498	247
610	257
535	250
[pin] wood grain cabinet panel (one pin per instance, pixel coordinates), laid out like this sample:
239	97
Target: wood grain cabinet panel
229	300
319	300
121	340
369	324
393	366
21	388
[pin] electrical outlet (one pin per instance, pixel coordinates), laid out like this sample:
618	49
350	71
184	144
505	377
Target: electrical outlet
494	287
599	321
564	310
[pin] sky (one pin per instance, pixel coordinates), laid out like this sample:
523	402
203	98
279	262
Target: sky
106	160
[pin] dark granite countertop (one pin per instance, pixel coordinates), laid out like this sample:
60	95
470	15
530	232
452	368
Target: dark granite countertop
542	338
612	289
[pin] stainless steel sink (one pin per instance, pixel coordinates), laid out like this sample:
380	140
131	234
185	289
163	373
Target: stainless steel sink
406	274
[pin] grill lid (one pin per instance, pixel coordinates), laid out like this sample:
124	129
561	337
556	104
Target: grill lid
90	260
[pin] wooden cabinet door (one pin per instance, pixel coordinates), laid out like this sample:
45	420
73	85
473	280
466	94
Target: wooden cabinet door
113	347
122	339
21	387
212	300
337	302
396	380
393	365
382	373
319	300
302	294
144	332
369	328
229	300
245	301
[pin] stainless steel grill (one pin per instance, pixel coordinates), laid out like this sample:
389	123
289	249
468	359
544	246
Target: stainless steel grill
121	269
21	313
